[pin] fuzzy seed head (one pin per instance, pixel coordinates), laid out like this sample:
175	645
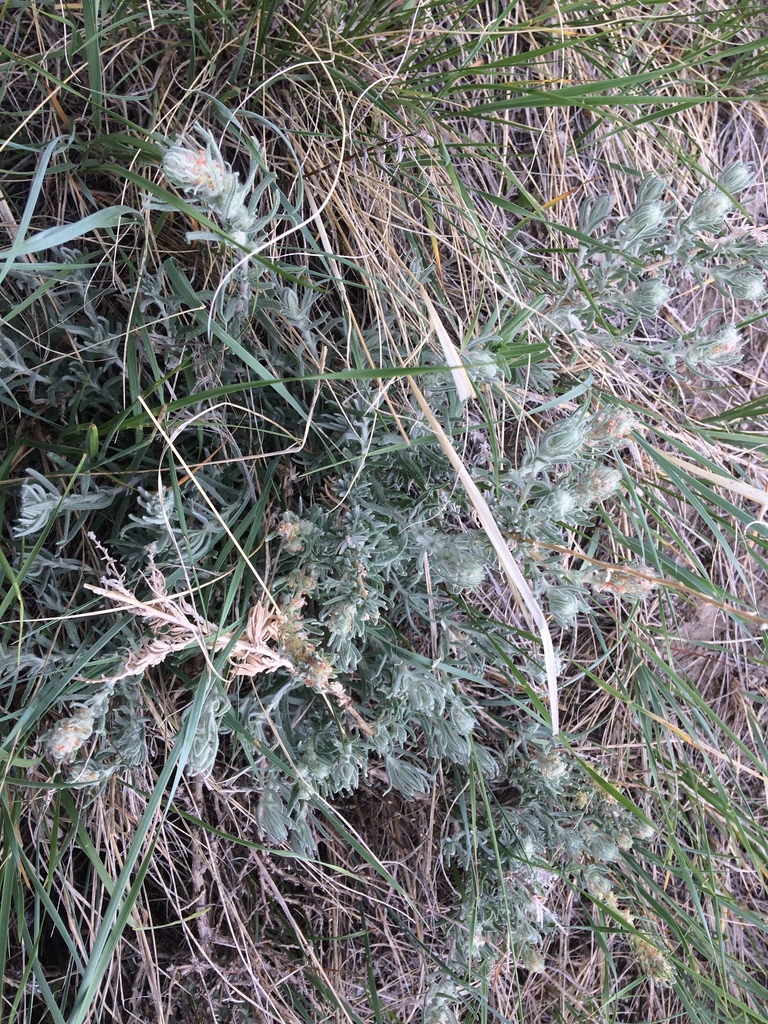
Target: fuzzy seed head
562	440
532	960
68	735
81	774
599	483
196	170
599	884
653	961
740	282
559	505
632	583
469	576
749	286
736	178
649	296
612	424
342	620
723	348
552	766
708	211
293	532
624	840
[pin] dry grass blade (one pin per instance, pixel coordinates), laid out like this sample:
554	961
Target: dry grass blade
744	490
519	585
464	387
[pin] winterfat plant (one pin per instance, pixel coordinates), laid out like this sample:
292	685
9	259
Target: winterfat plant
549	819
211	184
614	293
202	172
371	652
42	503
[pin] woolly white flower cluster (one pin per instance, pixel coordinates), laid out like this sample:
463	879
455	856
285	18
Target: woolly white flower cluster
202	172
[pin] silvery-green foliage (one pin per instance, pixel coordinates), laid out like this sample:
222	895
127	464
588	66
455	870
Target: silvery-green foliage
273	816
156	522
127	725
387	552
15	368
407	778
42	502
157	510
420	689
739	282
251	719
594	211
52	578
371	553
300	307
450	737
548	820
565	603
484	365
376	564
616	288
565	473
440	1000
27	665
77	359
205	740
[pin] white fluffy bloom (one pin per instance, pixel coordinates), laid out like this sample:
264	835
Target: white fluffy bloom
201	171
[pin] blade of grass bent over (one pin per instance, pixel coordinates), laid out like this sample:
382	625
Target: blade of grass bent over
464	387
522	592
